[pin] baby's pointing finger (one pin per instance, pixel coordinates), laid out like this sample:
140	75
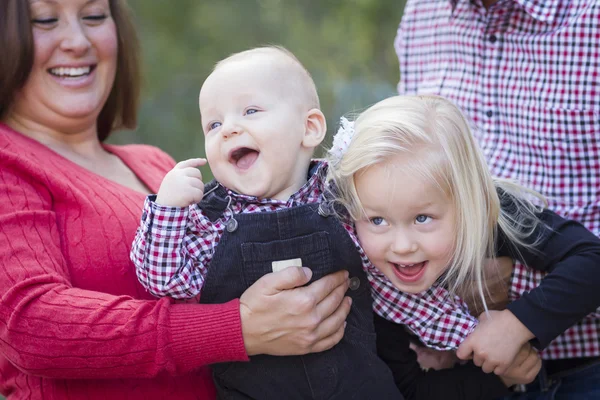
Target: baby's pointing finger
192	162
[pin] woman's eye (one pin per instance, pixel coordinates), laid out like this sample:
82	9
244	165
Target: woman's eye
100	17
378	221
422	219
44	21
251	111
214	125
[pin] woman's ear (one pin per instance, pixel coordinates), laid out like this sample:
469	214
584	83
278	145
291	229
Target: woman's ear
316	128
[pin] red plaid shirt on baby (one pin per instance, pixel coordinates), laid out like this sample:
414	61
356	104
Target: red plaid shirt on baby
164	270
527	73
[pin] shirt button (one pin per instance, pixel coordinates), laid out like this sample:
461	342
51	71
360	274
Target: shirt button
493	39
231	225
489	113
354	283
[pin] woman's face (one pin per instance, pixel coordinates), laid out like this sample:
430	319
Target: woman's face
75	61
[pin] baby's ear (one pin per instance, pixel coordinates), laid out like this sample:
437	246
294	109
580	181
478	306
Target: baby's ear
315	129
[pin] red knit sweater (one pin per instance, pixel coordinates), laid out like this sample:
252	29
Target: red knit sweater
74	321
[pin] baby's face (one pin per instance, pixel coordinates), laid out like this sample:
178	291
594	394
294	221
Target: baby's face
254	130
408	230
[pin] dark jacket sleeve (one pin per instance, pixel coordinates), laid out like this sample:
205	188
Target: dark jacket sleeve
463	382
571	255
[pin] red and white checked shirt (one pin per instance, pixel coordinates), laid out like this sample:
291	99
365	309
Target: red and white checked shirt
527	73
174	246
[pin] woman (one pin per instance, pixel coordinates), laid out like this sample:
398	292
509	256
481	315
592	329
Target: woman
74	321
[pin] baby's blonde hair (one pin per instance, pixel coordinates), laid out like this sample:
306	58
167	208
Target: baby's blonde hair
294	73
436	130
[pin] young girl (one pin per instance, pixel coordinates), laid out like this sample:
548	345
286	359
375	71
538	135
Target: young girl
428	214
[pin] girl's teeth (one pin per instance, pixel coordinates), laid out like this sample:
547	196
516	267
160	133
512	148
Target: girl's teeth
70	72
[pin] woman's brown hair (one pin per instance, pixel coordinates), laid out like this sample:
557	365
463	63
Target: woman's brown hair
16	42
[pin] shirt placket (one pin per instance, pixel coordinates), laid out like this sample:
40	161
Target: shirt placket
491	64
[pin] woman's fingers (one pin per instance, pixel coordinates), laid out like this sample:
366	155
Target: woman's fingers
281	318
322	288
333	296
328	342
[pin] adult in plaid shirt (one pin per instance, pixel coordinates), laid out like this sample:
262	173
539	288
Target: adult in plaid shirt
526	73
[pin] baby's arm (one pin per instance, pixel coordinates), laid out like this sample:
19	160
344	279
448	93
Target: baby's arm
571	255
173	244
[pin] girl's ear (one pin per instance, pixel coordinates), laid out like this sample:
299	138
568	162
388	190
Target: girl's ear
316	128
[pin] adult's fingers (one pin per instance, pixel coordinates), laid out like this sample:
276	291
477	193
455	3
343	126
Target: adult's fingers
289	278
332	302
532	366
322	288
328	325
328	342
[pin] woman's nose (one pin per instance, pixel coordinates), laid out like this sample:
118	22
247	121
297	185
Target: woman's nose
75	37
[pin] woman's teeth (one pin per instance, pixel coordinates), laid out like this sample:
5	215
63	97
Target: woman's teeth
70	72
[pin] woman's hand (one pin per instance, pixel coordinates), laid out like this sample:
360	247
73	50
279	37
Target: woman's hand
282	317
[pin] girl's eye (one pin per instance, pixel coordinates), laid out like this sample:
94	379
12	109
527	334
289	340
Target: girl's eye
422	219
378	221
251	111
214	125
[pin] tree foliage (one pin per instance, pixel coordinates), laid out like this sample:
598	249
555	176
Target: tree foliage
346	45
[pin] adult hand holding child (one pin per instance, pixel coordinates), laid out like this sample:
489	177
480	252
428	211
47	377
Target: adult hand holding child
311	318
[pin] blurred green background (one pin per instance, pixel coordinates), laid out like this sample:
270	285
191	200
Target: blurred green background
347	45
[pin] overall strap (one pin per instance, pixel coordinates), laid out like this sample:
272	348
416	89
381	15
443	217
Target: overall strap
215	201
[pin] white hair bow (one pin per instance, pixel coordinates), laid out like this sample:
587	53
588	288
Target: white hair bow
341	140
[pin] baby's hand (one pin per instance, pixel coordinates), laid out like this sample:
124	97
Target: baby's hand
496	341
182	185
524	369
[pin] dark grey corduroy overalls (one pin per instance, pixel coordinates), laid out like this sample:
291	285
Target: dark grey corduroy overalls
251	242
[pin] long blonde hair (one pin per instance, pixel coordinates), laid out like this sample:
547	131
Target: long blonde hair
434	126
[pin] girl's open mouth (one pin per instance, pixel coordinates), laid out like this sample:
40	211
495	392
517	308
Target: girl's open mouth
410	272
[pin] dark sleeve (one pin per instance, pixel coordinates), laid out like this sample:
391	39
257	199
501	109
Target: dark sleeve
571	255
462	382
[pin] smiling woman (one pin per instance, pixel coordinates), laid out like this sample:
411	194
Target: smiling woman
33	33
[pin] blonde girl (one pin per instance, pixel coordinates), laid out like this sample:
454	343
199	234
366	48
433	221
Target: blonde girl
428	215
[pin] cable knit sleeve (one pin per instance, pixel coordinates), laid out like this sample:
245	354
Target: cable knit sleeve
50	328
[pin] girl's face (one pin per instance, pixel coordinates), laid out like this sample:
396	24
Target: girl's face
75	61
408	232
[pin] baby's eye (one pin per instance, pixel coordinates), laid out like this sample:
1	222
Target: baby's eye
422	219
251	111
378	221
214	125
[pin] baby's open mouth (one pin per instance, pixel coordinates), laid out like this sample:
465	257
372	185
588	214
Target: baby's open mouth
243	157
